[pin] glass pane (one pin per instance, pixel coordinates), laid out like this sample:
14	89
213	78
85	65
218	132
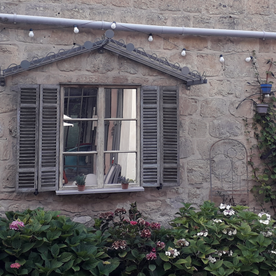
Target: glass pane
120	135
81	137
74	165
120	103
119	164
80	102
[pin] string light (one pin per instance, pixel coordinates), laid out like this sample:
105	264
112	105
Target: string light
248	59
76	30
221	59
183	52
31	33
113	25
150	38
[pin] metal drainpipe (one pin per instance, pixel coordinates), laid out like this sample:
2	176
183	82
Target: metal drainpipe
64	22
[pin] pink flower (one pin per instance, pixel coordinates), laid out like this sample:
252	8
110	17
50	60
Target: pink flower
147	224
145	233
155	225
151	256
160	245
15	265
15	225
133	222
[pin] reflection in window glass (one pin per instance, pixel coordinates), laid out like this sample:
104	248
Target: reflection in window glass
74	165
126	166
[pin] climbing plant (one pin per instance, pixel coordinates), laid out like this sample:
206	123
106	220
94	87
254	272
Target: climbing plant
262	159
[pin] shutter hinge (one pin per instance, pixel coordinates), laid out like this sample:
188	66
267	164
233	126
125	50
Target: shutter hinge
36	192
160	187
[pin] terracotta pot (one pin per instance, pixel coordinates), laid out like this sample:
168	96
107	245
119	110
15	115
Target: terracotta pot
124	186
81	187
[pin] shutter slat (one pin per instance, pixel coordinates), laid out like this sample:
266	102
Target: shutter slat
49	138
150	170
27	138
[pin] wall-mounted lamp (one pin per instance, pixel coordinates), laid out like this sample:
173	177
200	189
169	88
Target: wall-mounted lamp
183	52
150	38
76	30
221	59
31	33
113	25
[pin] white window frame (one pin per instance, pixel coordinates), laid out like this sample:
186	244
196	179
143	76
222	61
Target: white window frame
102	188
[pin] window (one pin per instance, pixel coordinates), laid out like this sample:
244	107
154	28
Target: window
101	132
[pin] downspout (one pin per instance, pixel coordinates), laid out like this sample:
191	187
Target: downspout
64	22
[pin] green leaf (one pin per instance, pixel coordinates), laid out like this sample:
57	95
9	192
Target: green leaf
167	266
272	273
131	268
122	254
152	267
65	257
164	257
24	271
55	250
26	247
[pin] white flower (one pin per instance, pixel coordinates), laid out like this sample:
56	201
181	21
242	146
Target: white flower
229	212
235	232
224	252
268	218
228	207
217	220
230	253
212	260
274	252
220	254
222	206
224	231
205	234
167	253
230	233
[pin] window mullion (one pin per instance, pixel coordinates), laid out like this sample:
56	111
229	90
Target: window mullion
100	145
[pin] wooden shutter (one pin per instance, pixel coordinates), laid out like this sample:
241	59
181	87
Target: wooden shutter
48	138
169	136
150	138
27	138
38	138
159	136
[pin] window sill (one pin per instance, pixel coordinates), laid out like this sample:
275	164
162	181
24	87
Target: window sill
100	191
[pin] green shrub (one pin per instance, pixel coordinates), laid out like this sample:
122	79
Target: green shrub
45	243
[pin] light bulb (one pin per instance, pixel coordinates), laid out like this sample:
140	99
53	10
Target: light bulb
113	25
183	53
76	30
150	39
267	95
248	59
221	59
31	33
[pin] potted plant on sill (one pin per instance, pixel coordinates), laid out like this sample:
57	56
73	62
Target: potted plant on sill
124	182
80	182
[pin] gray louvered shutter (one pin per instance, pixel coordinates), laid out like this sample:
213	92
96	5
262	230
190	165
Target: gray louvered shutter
150	138
48	138
27	138
169	138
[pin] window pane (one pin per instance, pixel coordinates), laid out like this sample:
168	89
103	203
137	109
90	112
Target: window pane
120	103
81	137
74	165
120	135
124	164
80	102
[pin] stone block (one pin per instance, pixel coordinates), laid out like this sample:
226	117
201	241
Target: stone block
198	171
172	5
225	128
186	147
145	4
209	64
232	71
226	88
213	108
237	6
127	66
5	150
252	22
11	54
201	91
75	11
245	109
265	46
8	102
214	7
108	13
187	106
82	219
46	10
203	21
197	128
181	20
262	7
156	19
228	22
198	195
182	127
171	43
100	63
8	7
9	177
203	146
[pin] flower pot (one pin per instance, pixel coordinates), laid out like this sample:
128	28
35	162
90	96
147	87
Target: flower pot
124	186
262	108
266	88
81	187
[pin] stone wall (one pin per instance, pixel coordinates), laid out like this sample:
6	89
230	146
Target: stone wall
207	112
